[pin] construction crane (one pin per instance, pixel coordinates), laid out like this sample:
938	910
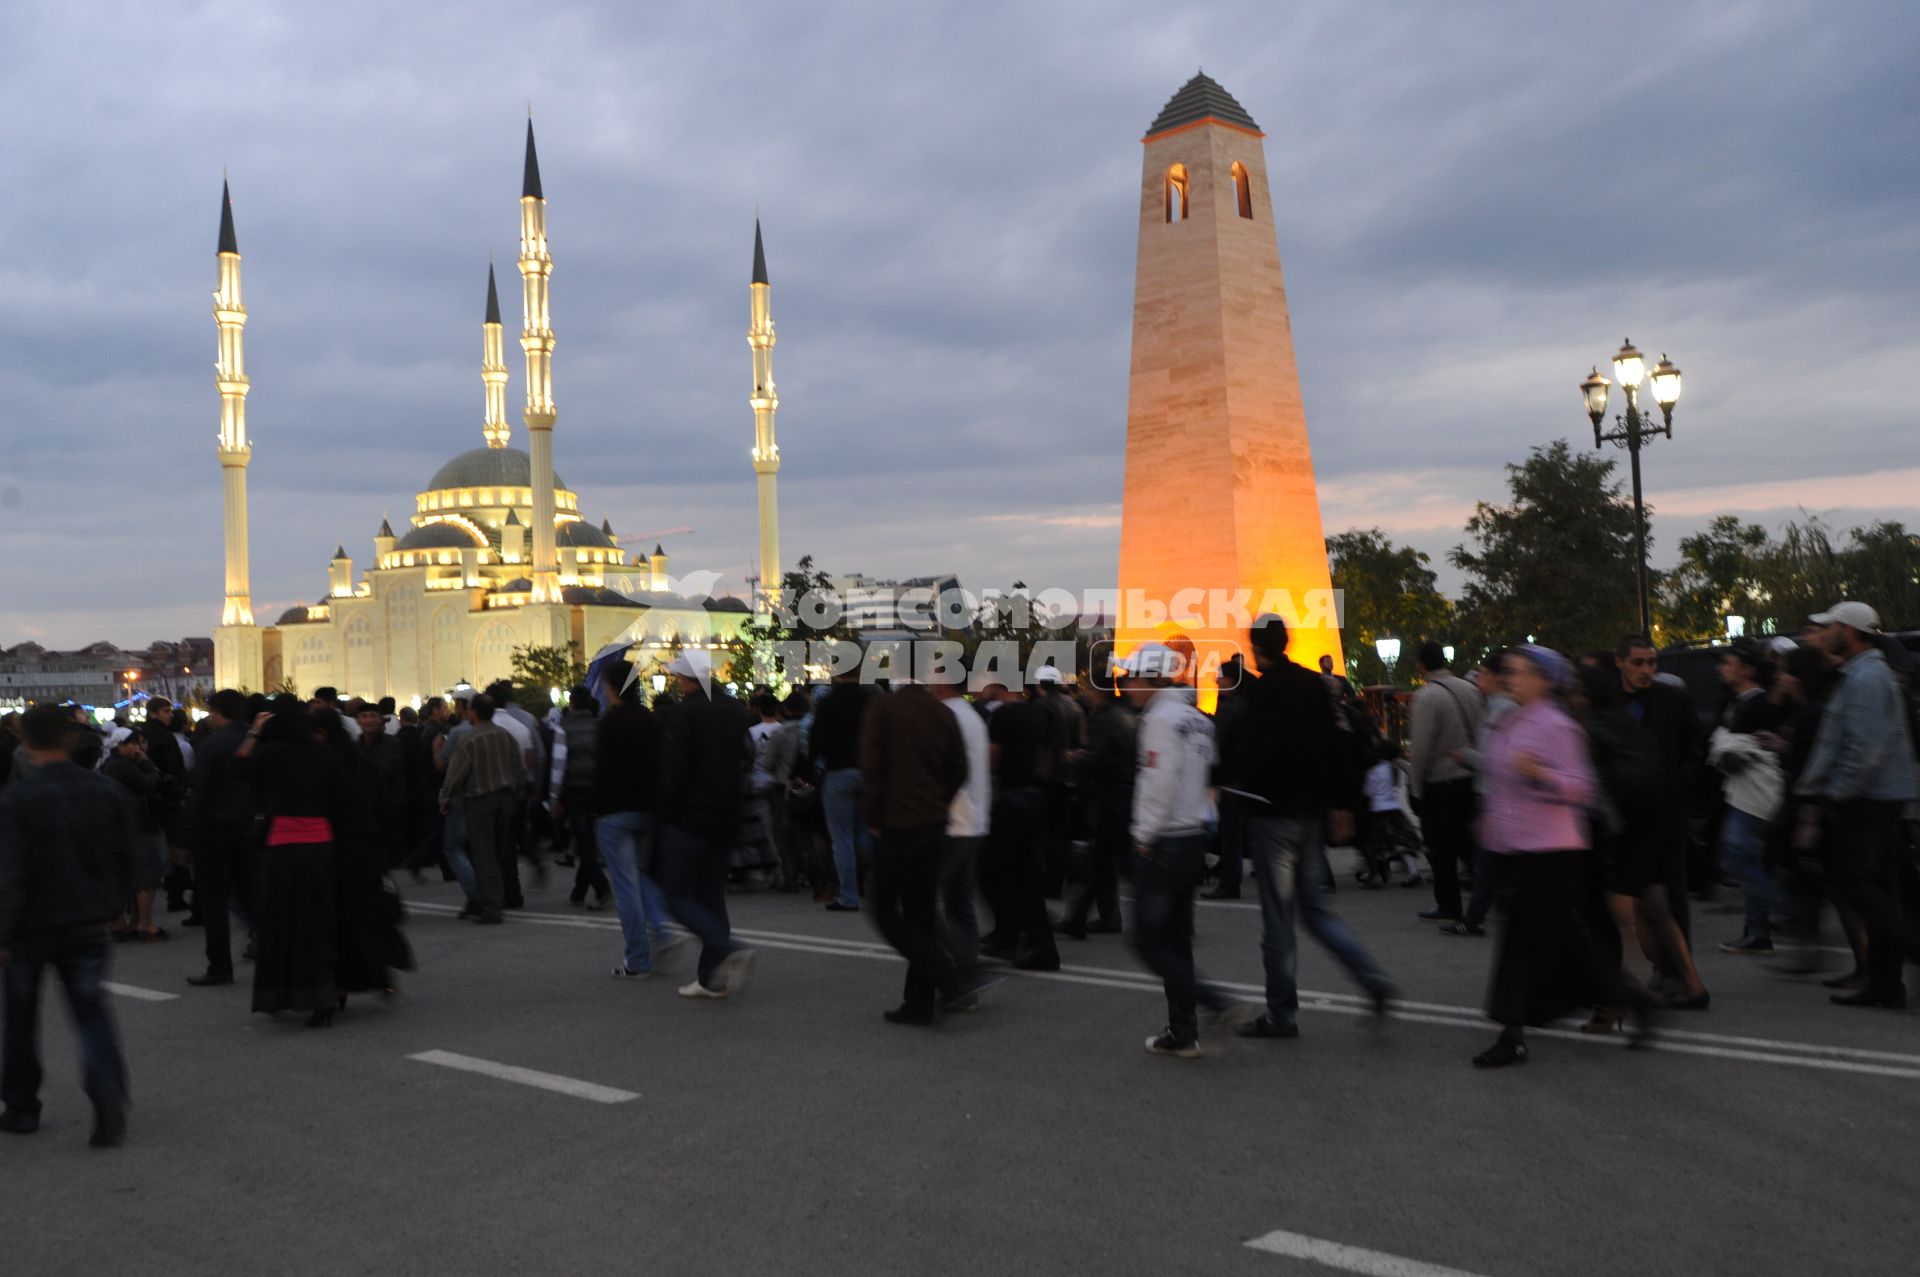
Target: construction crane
660	535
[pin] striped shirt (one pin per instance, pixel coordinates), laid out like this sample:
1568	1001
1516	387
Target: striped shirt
486	761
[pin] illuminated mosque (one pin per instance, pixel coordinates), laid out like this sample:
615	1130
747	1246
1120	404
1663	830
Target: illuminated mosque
498	554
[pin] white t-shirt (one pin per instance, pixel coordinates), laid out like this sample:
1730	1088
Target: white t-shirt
760	733
516	729
1383	787
973	805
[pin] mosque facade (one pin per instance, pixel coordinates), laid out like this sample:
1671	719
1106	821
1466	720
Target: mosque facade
497	553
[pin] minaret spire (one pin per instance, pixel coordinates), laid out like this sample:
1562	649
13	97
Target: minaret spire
493	369
536	339
237	648
766	451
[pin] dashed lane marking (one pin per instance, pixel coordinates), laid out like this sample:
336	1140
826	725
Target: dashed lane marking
527	1077
137	993
1349	1259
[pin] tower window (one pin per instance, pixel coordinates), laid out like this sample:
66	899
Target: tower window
1177	193
1242	189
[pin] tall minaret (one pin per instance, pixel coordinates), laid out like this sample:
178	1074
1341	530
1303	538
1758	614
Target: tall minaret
237	645
766	452
536	338
493	369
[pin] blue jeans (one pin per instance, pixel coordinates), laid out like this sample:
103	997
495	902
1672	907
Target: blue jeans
625	841
79	955
840	795
1290	867
958	883
1163	883
693	878
453	845
1743	853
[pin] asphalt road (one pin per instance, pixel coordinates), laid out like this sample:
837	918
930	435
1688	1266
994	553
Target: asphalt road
791	1131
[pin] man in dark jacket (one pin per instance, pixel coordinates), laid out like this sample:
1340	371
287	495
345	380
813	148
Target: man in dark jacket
1112	732
704	756
1652	847
835	741
912	763
67	866
163	751
220	809
1286	748
626	761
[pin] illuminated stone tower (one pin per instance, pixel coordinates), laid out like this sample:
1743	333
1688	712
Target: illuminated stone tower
1220	491
766	452
493	368
536	339
237	647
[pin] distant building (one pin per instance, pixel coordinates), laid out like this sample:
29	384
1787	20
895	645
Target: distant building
92	675
902	609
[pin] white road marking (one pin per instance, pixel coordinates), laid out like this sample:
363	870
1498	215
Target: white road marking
1351	1259
136	992
1813	1055
528	1077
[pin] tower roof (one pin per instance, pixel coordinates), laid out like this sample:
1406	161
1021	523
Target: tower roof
657	549
530	181
513	519
228	244
1201	98
339	552
759	255
493	297
606	526
386	529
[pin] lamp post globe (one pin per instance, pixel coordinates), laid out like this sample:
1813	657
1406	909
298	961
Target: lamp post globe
1594	390
1629	367
1666	389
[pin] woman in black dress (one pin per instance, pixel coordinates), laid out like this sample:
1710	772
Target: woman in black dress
363	925
298	781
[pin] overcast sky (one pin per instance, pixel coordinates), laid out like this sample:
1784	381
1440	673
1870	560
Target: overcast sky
1475	203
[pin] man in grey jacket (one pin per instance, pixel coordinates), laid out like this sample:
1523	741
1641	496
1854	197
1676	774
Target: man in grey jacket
1444	731
1857	779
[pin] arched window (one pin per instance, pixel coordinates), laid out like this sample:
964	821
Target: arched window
1242	189
1177	193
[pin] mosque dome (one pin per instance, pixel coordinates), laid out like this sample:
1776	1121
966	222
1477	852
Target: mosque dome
439	536
578	532
488	468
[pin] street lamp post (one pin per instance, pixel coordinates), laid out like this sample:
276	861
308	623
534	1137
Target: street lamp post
1388	650
1631	432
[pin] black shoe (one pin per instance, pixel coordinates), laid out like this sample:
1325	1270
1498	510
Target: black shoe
1165	1043
906	1015
210	979
1896	1001
14	1122
1502	1053
468	913
517	903
1438	915
1749	945
1854	979
1463	929
1267	1027
321	1019
577	896
109	1127
1031	961
834	906
1221	893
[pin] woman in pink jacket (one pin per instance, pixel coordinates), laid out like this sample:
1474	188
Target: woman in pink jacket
1533	811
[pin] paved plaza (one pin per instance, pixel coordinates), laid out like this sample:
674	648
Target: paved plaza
615	1126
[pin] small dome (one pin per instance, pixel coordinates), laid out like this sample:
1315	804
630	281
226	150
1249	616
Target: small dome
488	468
439	536
579	532
292	616
519	585
595	596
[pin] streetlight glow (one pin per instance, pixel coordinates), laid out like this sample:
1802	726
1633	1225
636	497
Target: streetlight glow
1594	389
1629	367
1666	384
1389	650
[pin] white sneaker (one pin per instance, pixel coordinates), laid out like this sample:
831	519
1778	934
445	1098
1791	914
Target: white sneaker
698	990
734	970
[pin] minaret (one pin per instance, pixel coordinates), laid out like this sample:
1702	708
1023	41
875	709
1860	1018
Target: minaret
1220	492
766	452
536	338
493	369
238	653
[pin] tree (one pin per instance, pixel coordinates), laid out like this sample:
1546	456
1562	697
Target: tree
749	661
1388	591
1556	563
1718	576
1882	567
537	670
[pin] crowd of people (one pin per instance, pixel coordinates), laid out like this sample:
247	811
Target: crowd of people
1563	792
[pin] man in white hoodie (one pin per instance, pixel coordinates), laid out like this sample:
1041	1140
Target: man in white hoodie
1170	814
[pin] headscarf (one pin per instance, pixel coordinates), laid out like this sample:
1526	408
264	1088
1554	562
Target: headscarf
1555	668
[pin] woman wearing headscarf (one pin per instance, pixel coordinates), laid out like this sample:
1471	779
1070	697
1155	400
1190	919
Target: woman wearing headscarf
299	783
1539	786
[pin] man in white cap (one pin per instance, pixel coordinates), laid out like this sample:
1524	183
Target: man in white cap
1856	781
705	754
1170	813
